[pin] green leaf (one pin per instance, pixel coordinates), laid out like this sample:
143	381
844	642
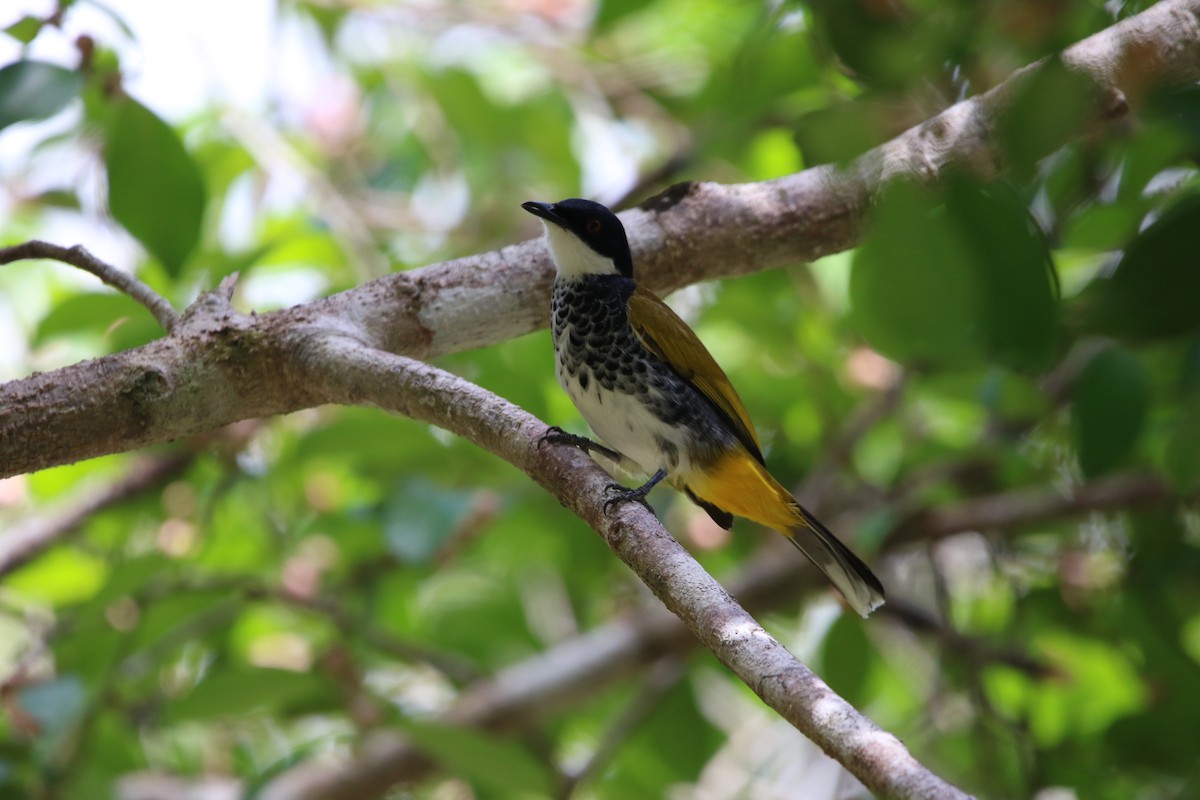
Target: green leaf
674	742
418	516
25	30
33	90
1109	411
915	294
610	11
61	577
162	617
1102	227
1154	290
368	440
154	187
230	691
97	314
1182	457
1102	686
1020	293
839	133
880	46
846	658
1180	105
1047	108
1138	738
950	280
494	763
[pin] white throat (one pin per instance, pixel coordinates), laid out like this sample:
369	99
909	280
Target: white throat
573	258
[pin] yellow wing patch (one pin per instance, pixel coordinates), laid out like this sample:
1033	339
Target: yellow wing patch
663	333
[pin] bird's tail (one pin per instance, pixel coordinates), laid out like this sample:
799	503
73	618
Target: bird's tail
846	571
740	485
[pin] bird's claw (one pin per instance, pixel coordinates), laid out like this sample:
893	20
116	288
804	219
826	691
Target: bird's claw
553	435
556	435
619	494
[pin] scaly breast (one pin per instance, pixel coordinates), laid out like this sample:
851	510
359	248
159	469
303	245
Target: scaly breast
611	379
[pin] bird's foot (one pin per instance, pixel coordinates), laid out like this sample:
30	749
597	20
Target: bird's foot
620	494
556	435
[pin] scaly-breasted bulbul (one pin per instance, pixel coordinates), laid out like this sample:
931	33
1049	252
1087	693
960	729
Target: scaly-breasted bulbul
658	401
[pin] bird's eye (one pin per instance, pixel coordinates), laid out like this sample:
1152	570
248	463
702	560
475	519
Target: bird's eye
593	226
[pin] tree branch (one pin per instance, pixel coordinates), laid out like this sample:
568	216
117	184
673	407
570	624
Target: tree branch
662	678
350	373
1030	506
79	257
974	650
702	231
28	540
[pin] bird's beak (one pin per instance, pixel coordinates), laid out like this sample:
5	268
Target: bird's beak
545	211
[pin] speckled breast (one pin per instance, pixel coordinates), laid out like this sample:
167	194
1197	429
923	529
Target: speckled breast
633	401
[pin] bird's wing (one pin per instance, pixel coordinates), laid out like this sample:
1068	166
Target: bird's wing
663	333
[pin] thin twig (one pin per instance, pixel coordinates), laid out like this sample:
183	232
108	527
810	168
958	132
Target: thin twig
661	678
974	649
1029	506
26	541
80	258
454	667
837	451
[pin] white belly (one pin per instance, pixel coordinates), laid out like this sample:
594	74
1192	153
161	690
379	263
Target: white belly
621	422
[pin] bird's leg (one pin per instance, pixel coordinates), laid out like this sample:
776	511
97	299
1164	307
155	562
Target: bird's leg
556	435
619	494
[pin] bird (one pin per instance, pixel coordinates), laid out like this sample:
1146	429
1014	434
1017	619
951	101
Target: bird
657	400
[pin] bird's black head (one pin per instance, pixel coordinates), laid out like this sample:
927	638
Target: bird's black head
584	222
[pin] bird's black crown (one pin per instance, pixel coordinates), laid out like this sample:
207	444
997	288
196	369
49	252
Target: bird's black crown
594	224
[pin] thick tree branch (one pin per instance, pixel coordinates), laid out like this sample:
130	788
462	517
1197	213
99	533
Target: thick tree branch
216	367
702	231
224	366
78	257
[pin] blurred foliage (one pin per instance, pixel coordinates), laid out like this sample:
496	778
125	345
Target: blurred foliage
300	582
